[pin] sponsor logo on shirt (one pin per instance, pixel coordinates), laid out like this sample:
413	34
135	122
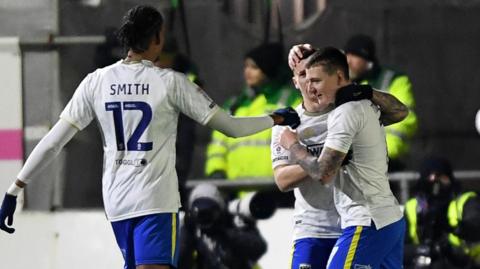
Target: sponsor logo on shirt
280	158
315	149
305	266
135	162
313	132
204	94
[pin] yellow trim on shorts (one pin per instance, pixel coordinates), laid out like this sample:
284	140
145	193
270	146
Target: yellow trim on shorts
353	247
291	256
174	234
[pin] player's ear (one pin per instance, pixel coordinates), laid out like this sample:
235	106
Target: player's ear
295	83
340	77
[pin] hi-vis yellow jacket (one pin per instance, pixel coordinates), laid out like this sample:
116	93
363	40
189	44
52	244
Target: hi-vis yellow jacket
455	213
248	156
398	85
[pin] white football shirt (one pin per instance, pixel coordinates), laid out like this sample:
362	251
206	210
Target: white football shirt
364	191
137	107
314	215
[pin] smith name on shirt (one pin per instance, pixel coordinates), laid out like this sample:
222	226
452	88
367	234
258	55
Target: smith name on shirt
130	89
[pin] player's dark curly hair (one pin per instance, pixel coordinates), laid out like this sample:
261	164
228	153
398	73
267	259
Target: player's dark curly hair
139	26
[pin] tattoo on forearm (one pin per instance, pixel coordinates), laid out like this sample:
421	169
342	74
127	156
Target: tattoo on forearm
323	168
308	162
392	109
330	162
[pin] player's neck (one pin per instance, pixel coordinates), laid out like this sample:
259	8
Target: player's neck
137	57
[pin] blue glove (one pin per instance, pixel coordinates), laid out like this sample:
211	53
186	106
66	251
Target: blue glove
6	211
289	115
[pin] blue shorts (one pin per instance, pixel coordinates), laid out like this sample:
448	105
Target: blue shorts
150	239
312	253
363	247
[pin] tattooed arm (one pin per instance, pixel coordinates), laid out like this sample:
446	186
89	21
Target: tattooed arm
324	168
392	109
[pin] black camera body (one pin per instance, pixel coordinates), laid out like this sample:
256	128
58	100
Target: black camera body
223	236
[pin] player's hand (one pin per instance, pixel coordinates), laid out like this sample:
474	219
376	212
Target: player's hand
296	54
286	116
6	211
353	92
288	138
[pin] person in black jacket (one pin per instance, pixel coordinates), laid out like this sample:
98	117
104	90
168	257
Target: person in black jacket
427	214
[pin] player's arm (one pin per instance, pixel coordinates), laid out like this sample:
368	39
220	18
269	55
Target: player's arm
288	177
392	109
45	151
243	126
324	168
287	174
196	104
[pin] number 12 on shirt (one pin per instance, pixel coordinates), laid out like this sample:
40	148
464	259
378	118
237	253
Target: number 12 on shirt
118	108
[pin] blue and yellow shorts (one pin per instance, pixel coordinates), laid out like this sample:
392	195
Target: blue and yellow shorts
365	247
150	239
